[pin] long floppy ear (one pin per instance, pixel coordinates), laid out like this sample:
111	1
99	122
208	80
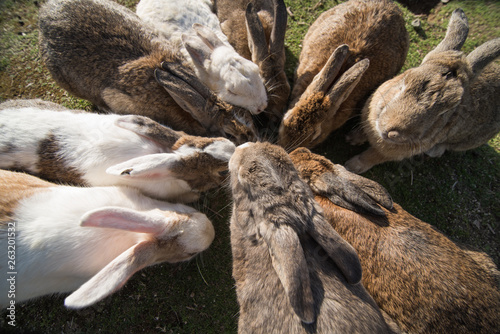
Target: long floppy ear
371	188
151	166
291	267
456	34
185	95
483	55
113	276
344	193
153	221
339	250
149	129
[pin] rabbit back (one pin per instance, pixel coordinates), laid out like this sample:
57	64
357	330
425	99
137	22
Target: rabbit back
423	280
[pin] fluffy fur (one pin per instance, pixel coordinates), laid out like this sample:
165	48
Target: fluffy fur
287	260
233	78
101	51
450	102
90	239
60	145
420	278
373	30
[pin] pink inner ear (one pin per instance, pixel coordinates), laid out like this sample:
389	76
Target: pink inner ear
125	219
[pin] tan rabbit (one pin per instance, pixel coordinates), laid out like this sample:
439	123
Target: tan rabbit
450	102
89	239
103	52
293	273
420	278
374	31
257	29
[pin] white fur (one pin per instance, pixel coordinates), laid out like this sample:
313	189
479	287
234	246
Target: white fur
233	78
97	148
55	254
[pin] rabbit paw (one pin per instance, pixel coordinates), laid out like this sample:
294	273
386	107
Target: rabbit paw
356	137
355	165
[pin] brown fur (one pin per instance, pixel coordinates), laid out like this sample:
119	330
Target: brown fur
284	251
51	167
373	30
15	187
419	277
450	102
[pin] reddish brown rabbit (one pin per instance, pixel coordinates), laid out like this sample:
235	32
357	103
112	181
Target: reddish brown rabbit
425	282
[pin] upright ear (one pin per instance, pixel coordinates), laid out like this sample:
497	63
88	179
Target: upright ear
113	276
483	55
291	267
339	250
323	80
277	41
346	83
153	221
184	94
256	35
149	129
456	34
147	167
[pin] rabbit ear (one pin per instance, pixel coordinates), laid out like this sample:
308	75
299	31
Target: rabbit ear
323	80
151	166
256	36
198	50
291	267
277	39
149	129
185	95
346	83
345	194
113	276
483	55
456	34
208	36
339	250
367	186
154	221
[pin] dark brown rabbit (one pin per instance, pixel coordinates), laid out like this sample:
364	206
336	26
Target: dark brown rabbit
420	278
293	272
256	29
373	30
101	51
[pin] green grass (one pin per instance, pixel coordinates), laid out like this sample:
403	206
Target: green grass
458	193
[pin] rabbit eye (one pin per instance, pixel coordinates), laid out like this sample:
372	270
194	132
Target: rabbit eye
450	74
224	173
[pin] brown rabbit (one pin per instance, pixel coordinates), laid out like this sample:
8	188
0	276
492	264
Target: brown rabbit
373	30
293	273
420	278
101	51
256	29
450	102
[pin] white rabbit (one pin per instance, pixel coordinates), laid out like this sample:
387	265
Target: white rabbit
100	150
91	240
193	26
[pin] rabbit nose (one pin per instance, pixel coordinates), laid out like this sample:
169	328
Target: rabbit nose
394	136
